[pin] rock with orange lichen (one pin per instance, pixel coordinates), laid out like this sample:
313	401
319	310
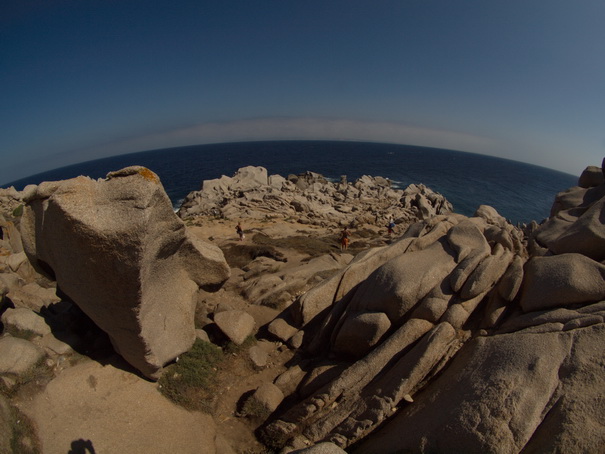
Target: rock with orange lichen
116	248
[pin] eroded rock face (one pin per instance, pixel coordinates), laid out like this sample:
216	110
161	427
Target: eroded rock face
529	392
455	339
117	249
406	313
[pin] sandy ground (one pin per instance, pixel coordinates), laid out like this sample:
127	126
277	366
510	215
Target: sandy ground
105	409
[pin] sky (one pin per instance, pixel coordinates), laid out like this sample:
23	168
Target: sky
85	79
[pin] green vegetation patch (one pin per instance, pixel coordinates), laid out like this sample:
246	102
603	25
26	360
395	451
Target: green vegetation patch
18	212
190	381
252	408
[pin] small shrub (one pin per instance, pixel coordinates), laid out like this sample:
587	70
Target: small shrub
18	212
254	409
232	348
190	381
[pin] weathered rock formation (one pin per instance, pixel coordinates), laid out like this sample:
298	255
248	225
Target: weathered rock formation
312	199
455	339
466	334
116	249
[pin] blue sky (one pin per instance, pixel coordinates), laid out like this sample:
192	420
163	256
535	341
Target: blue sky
83	79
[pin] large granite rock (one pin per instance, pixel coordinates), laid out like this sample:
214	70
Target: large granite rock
562	280
577	222
454	340
510	393
116	248
397	320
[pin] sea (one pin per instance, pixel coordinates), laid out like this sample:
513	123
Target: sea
520	192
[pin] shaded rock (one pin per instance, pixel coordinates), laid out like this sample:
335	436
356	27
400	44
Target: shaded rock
236	325
491	215
495	310
487	273
258	356
289	380
561	280
586	235
509	285
11	237
268	397
202	335
346	387
590	177
33	296
431	309
140	287
466	239
358	334
555	318
296	341
319	376
259	287
281	329
18	356
507	393
394	386
400	283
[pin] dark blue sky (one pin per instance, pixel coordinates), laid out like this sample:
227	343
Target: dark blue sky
81	79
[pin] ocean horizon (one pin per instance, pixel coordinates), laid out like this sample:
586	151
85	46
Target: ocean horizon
518	191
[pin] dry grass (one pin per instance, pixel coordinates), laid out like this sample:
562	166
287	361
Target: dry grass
191	380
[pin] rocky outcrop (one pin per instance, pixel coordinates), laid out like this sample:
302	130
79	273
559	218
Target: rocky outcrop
116	249
509	393
454	338
576	222
396	315
465	334
311	199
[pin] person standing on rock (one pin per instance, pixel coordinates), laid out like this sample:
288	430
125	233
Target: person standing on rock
240	231
344	239
391	227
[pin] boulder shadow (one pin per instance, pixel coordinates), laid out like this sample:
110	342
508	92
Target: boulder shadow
81	446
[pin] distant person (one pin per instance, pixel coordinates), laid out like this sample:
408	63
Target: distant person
240	231
344	239
391	227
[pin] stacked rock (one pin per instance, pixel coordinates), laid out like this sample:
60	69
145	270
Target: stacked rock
309	198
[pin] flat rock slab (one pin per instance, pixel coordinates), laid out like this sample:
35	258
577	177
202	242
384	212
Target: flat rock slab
115	411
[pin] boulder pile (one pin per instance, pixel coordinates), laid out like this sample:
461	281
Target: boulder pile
455	338
310	198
